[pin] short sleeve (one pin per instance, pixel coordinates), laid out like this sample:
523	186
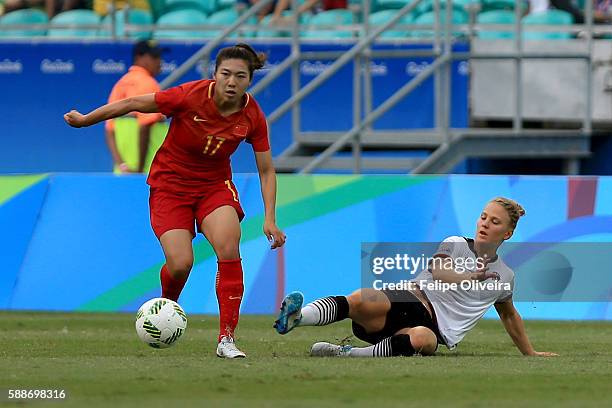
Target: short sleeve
506	295
170	101
448	247
258	137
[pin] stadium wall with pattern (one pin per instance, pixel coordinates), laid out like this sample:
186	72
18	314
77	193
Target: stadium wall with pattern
75	242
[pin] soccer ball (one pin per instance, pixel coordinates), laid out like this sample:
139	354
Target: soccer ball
160	322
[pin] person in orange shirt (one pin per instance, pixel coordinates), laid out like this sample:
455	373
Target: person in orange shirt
139	80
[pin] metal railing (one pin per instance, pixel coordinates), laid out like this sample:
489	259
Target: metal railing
361	55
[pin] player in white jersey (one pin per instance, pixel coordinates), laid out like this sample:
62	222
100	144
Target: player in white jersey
415	321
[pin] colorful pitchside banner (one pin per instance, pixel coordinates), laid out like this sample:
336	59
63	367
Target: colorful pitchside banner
83	242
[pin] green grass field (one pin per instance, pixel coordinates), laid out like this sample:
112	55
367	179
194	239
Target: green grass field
98	360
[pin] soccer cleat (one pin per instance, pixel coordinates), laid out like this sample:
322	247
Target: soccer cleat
290	313
324	349
227	349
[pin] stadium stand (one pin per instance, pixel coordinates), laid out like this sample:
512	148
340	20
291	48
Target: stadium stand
132	17
548	17
506	17
381	17
74	19
329	19
268	30
223	18
458	16
202	21
208	7
25	16
185	18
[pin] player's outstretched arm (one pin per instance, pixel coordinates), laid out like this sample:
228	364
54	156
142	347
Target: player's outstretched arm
513	323
143	103
267	178
445	272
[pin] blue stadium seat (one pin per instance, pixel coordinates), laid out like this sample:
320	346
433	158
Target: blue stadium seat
548	17
496	17
426	6
134	16
157	8
206	6
378	5
26	16
381	17
186	17
74	18
224	4
225	18
331	18
488	5
457	17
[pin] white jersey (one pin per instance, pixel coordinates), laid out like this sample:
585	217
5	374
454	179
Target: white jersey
458	310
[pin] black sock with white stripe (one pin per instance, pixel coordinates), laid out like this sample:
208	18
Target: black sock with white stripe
397	345
325	311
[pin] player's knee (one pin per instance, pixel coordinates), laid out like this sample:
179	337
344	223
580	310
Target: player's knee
227	250
179	266
364	302
356	304
423	340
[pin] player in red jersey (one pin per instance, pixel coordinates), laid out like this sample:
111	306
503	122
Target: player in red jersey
191	178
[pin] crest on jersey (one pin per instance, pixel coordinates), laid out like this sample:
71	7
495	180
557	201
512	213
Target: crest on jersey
241	130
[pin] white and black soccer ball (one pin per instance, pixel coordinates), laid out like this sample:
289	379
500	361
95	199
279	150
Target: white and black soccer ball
160	322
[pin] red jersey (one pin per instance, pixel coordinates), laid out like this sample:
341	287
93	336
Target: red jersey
196	152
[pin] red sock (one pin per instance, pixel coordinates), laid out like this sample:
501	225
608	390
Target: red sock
229	288
171	287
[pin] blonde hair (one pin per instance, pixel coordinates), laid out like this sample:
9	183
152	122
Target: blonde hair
514	209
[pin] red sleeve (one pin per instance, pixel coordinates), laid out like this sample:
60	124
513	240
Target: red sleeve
259	135
171	100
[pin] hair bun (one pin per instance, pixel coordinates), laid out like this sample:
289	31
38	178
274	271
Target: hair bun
259	58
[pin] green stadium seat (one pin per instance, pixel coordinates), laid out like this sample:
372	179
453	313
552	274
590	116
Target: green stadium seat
426	6
135	17
548	17
496	17
186	17
225	18
488	5
378	5
332	18
157	8
74	18
381	17
225	4
457	17
25	16
206	6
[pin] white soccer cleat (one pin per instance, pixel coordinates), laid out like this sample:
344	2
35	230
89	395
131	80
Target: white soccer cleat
227	349
324	349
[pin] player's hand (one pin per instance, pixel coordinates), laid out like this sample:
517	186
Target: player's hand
75	119
274	235
544	354
482	274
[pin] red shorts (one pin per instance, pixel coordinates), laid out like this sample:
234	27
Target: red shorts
170	210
